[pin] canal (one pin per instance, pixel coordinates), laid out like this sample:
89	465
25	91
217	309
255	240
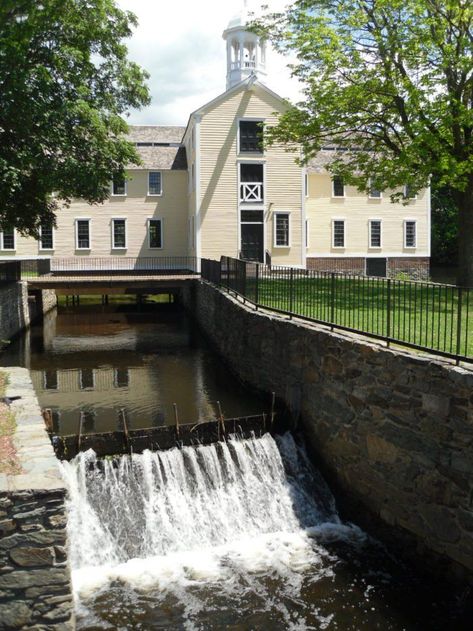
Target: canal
241	535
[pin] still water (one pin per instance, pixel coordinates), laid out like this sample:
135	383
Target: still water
99	360
242	535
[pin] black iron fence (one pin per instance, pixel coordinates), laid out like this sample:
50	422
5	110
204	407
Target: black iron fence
423	315
11	271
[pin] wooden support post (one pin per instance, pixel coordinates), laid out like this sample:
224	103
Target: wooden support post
125	429
79	441
176	419
221	419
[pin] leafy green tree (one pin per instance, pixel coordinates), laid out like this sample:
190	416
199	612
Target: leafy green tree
65	83
444	227
390	83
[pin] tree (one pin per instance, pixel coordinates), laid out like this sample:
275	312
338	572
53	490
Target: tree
65	83
444	228
390	83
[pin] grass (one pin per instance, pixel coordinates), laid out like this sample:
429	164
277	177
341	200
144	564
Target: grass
8	459
423	314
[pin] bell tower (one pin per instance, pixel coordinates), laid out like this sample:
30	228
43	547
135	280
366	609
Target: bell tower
246	51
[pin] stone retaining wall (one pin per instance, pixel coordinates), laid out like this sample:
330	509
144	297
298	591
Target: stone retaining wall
393	431
15	312
35	584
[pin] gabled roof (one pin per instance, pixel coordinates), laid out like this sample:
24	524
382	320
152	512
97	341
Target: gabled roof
159	147
161	158
155	133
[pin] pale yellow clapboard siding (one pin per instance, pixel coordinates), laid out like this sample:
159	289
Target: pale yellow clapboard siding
136	207
219	178
357	210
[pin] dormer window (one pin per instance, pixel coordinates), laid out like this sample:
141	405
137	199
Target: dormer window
251	136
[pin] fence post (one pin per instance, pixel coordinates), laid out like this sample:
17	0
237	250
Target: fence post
291	291
332	299
257	287
388	315
459	323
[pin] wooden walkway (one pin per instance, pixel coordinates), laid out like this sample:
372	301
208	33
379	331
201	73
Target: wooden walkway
103	283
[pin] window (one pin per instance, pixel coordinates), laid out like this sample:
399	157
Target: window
86	378
306	233
251	136
154	183
119	185
119	234
338	186
251	183
409	193
375	233
7	239
83	234
376	267
155	233
410	236
121	378
338	229
374	191
87	420
306	184
50	379
46	237
281	230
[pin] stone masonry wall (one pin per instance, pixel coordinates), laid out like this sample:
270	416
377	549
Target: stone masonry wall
35	582
415	267
393	431
15	311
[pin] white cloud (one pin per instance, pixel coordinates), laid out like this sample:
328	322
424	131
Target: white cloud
180	44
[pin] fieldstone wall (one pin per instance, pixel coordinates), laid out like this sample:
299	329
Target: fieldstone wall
415	267
35	583
17	312
392	430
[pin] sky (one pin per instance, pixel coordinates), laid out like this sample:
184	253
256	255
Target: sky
180	44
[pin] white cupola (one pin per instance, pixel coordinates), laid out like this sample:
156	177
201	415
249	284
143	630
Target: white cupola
246	51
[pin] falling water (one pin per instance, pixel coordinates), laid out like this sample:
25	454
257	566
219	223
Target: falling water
204	537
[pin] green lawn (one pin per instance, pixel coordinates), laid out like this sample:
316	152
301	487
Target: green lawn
424	314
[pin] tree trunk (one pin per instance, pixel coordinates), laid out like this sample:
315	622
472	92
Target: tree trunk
464	201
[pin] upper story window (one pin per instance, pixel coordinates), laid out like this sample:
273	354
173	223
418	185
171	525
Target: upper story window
7	239
306	184
119	234
155	233
410	234
252	183
338	233
86	379
409	193
375	233
281	230
374	190
83	234
155	183
338	186
251	137
46	237
119	187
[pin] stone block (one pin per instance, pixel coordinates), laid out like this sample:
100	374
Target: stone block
7	526
15	615
21	579
380	450
32	557
433	404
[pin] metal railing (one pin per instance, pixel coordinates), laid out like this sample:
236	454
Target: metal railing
12	271
422	315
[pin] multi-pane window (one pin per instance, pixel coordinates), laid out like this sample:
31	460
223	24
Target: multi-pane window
121	378
338	227
251	136
50	381
306	235
119	233
118	185
338	186
7	239
375	233
86	379
409	192
155	233
154	183
83	234
306	184
410	236
46	238
374	190
281	230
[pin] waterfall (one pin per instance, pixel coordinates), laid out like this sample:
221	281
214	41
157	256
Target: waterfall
218	514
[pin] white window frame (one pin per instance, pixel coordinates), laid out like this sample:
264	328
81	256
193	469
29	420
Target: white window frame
81	385
276	214
370	244
343	220
148	225
160	182
112	227
76	223
370	186
41	239
115	377
112	194
333	187
306	233
306	184
248	120
413	198
2	246
406	221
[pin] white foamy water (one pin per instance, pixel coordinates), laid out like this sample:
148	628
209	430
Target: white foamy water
225	514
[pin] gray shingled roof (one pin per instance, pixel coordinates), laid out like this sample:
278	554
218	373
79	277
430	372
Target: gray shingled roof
319	163
155	133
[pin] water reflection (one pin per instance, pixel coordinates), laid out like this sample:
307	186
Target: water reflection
103	364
